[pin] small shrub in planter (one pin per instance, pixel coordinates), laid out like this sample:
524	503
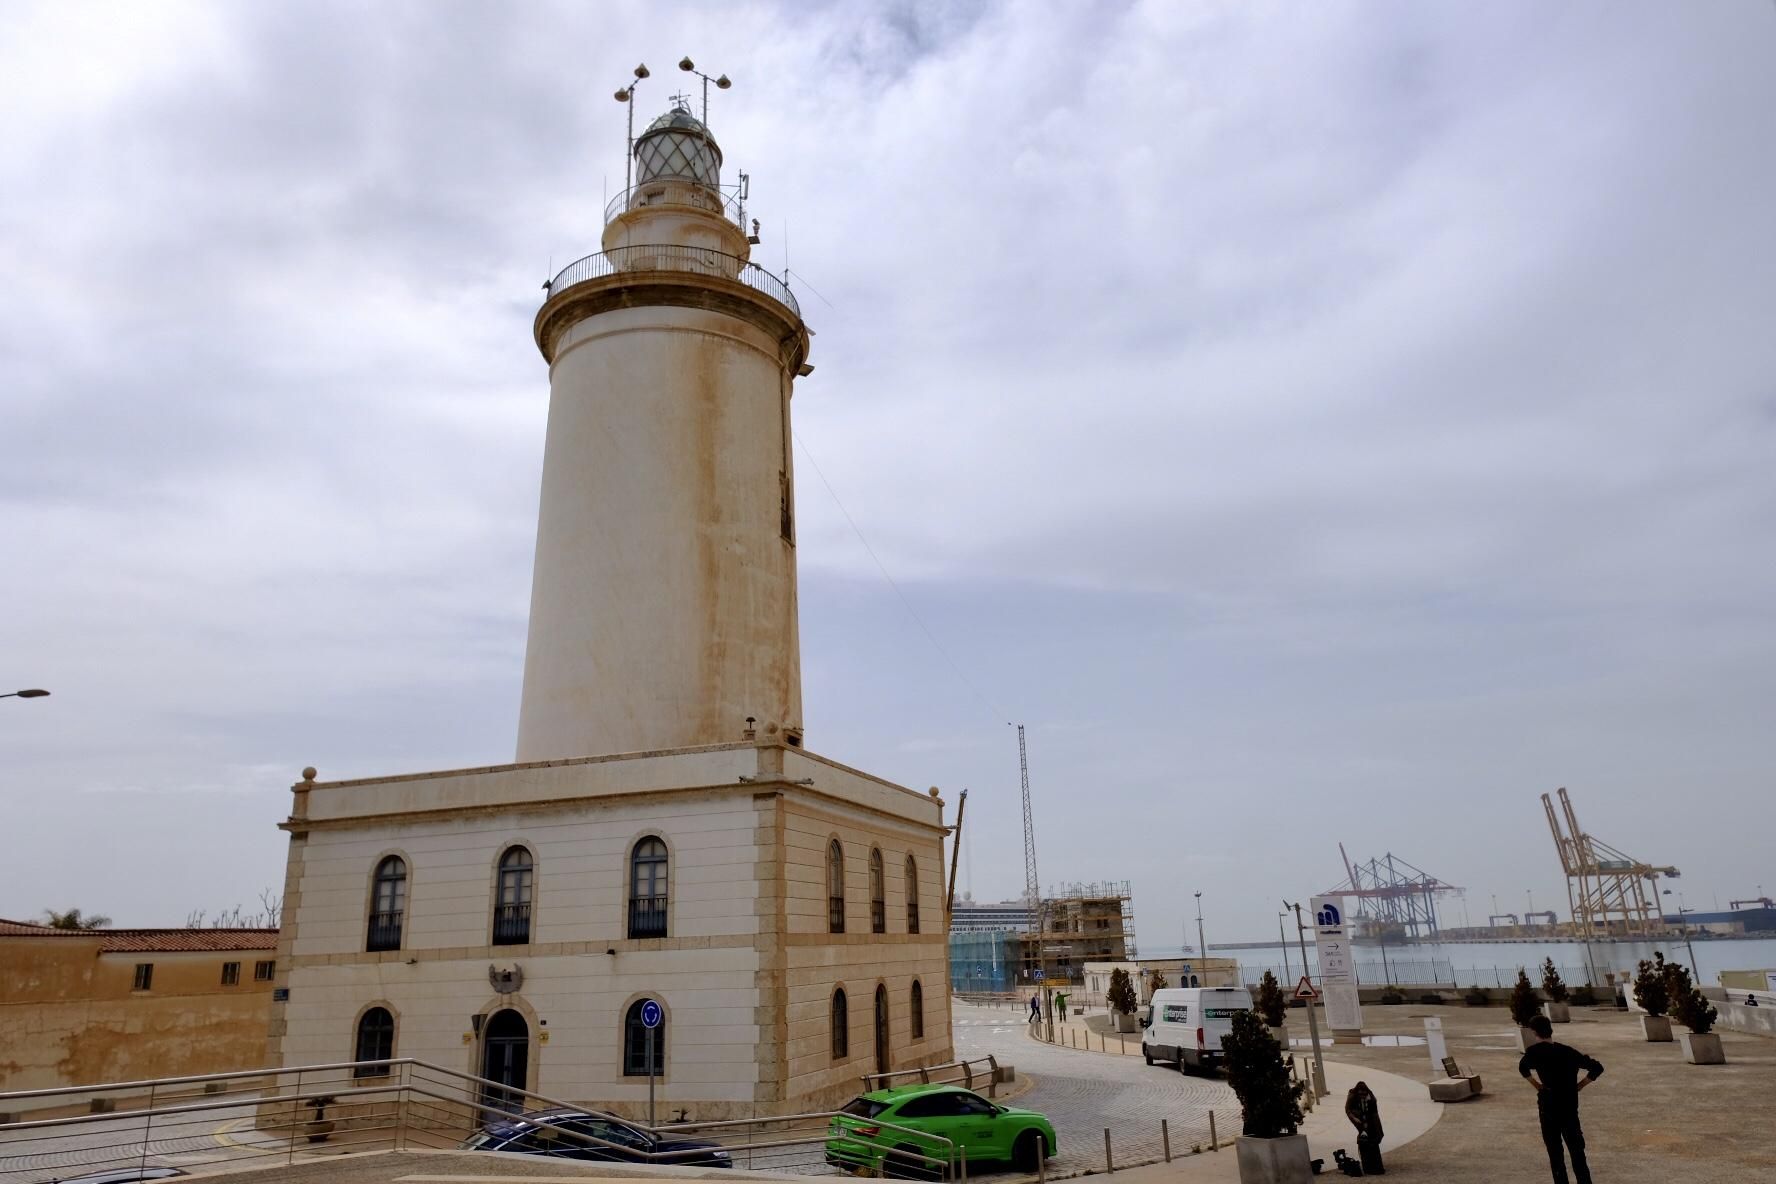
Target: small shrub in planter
1392	997
1271	1003
1553	984
1688	1003
1156	983
1121	994
1270	1103
1525	1004
1650	991
1654	996
1476	997
1584	997
1431	1000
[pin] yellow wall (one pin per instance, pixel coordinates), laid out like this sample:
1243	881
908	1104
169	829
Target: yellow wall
69	1015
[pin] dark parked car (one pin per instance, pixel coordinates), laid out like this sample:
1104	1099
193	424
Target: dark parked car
524	1134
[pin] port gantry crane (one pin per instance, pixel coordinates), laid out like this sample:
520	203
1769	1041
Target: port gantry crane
1611	894
1394	899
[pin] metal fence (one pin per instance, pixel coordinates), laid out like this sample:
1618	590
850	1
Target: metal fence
672	257
297	1114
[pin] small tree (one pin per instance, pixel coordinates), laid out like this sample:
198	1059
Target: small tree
1270	1103
1649	986
1121	993
1553	983
1525	1003
1271	1003
74	919
1156	983
1688	1003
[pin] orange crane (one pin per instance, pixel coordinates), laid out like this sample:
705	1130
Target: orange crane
1611	894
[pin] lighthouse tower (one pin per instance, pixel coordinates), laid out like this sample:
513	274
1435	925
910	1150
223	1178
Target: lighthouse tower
663	607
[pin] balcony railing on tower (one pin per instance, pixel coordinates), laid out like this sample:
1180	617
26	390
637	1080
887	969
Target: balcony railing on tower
647	916
645	257
511	924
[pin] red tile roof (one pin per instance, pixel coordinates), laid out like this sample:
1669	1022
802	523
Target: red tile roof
153	941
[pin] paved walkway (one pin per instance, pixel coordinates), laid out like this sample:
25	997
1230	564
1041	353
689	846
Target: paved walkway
1084	1092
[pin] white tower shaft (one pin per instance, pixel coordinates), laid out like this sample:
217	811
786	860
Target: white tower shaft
663	608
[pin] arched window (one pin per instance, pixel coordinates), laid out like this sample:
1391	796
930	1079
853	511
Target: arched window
635	1044
376	1043
647	889
918	1008
878	900
841	1026
388	904
835	889
912	895
511	906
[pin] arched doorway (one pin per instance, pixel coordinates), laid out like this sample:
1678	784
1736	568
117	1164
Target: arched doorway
505	1058
882	1030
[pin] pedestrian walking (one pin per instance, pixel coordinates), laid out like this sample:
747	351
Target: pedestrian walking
1035	1008
1364	1113
1557	1083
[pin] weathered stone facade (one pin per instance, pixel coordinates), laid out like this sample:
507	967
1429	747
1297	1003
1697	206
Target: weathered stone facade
745	970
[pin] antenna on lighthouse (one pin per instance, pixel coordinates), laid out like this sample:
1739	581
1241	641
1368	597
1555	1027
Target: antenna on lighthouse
722	83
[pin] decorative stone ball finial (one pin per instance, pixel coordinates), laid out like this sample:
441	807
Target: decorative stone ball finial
308	774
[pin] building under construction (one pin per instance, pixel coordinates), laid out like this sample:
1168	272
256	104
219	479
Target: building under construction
994	948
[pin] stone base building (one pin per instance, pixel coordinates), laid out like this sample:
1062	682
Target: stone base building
785	911
87	1006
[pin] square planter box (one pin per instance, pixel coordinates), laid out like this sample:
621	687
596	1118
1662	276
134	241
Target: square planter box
1702	1048
1281	1033
1557	1013
1274	1161
1526	1037
1123	1023
1657	1028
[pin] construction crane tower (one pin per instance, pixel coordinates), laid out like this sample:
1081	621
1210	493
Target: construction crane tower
1032	883
1611	894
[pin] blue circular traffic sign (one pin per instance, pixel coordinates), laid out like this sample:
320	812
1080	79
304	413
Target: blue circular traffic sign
650	1014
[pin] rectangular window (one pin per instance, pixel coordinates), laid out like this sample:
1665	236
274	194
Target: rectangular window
230	974
144	976
264	971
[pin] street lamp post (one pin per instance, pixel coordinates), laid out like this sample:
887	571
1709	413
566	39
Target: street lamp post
1202	947
626	96
722	83
1284	942
27	693
1313	1023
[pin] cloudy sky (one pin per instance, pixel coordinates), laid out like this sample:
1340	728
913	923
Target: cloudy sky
1317	422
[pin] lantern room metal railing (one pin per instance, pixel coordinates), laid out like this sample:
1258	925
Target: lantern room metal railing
677	191
656	257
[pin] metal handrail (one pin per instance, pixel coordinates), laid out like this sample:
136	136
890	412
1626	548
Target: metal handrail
409	1089
643	258
672	191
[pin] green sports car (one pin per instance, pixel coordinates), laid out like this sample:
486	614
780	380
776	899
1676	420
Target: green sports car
877	1126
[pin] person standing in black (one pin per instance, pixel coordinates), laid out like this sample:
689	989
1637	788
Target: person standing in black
1557	1083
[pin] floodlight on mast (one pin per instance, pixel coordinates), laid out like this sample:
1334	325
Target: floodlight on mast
721	83
626	96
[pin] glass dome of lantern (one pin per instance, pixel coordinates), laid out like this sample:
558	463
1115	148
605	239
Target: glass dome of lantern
678	147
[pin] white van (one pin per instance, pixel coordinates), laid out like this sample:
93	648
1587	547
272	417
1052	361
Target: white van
1185	1024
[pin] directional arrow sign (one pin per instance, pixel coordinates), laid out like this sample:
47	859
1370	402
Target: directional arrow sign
1305	990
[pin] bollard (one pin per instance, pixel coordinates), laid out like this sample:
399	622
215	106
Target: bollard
1109	1167
1165	1140
1042	1166
1214	1139
1122	1045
